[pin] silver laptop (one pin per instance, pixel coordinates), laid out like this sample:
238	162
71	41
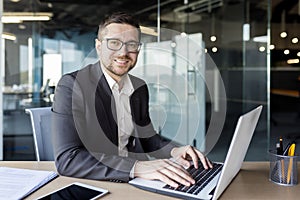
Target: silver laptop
210	184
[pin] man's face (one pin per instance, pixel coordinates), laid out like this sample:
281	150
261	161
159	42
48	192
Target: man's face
117	62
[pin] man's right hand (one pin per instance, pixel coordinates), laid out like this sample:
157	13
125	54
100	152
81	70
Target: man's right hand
165	170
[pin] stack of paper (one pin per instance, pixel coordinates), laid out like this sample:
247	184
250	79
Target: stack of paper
18	183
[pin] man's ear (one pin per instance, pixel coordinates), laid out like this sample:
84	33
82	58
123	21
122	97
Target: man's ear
97	44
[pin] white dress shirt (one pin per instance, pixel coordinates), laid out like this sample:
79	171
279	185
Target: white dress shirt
121	92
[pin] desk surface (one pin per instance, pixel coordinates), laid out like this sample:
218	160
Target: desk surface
251	183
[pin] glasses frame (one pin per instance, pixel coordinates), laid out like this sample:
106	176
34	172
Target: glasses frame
123	43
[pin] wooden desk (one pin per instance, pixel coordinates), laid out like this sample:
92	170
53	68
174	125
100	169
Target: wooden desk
251	183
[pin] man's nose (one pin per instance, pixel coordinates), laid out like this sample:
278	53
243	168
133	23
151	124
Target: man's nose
123	49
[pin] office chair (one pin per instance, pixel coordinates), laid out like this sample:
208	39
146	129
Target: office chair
41	127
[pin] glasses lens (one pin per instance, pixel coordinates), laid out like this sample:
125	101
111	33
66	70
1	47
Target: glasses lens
133	46
114	44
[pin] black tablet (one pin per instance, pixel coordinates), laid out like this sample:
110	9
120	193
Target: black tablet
75	191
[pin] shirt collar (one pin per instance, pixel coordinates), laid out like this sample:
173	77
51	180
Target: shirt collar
125	83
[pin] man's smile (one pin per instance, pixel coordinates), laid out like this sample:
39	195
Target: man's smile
121	62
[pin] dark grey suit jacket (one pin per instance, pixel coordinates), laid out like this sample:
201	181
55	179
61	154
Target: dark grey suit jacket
86	133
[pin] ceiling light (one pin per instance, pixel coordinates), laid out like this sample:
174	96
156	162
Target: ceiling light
272	46
293	61
262	49
298	54
18	17
173	44
262	38
283	34
148	31
214	49
11	20
22	26
213	38
9	36
286	52
183	34
295	40
246	32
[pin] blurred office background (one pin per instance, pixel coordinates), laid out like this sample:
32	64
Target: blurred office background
253	46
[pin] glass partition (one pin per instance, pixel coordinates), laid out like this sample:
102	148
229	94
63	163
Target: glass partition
174	69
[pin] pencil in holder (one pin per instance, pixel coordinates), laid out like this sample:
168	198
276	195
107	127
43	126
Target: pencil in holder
283	169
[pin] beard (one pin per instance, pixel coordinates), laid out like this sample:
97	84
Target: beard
118	70
112	70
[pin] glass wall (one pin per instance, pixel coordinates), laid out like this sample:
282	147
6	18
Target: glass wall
198	48
174	69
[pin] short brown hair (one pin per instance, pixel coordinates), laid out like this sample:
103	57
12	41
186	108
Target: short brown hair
119	18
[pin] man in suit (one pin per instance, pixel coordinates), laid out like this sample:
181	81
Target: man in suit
101	124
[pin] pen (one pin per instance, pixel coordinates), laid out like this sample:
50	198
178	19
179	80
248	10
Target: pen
291	152
280	146
285	152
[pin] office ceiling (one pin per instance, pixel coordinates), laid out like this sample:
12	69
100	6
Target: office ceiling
85	15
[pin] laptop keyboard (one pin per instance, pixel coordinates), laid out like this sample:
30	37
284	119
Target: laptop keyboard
202	178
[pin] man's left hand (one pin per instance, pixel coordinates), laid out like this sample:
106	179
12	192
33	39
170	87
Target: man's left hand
183	155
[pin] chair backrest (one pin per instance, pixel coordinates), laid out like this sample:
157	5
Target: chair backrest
41	127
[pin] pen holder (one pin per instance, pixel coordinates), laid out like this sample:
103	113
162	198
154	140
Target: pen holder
283	169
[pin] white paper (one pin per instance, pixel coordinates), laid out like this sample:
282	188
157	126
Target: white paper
17	183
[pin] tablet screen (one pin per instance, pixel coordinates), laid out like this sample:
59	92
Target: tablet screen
74	192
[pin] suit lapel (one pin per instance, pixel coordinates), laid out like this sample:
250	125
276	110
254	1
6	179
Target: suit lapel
105	107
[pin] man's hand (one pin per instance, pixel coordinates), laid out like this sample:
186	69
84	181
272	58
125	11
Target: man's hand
183	155
164	170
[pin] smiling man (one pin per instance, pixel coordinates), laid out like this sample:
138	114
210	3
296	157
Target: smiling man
116	56
101	124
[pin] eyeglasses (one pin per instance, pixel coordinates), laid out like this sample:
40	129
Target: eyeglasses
116	44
